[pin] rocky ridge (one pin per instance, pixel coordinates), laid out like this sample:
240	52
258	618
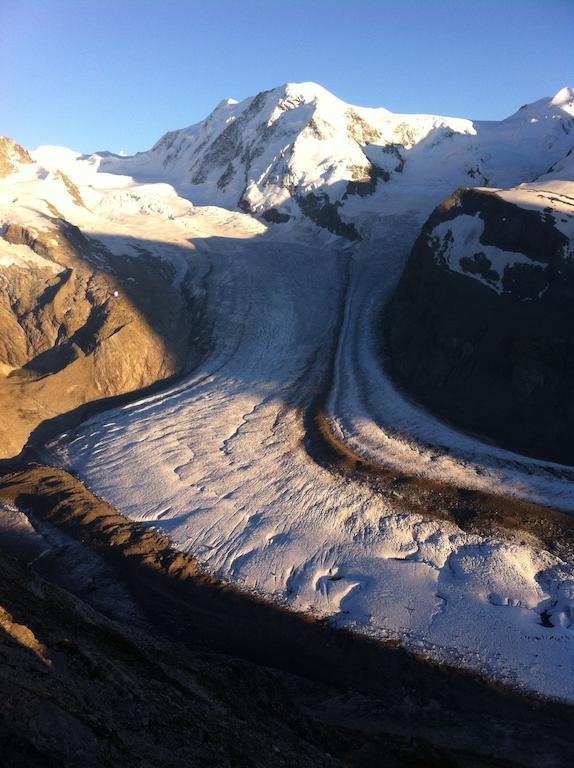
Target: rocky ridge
480	326
299	150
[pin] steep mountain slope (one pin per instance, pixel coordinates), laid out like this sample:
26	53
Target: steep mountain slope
298	149
286	461
481	328
93	303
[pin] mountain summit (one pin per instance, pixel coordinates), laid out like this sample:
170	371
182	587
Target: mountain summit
284	456
299	149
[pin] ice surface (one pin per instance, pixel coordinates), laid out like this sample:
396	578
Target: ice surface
219	462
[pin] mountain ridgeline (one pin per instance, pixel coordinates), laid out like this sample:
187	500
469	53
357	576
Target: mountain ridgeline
297	150
480	327
204	340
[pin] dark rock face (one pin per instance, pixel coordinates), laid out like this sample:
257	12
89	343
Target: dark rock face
324	213
274	216
500	364
364	180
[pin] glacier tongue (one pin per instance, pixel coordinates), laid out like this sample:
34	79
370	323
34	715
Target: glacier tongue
221	466
219	461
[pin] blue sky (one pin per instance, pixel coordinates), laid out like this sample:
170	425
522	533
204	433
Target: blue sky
117	74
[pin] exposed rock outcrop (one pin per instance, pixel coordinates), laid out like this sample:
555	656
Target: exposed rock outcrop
11	154
94	325
481	327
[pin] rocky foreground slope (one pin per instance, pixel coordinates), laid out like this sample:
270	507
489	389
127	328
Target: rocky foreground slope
119	651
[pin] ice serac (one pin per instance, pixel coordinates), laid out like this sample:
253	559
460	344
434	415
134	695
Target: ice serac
297	150
481	327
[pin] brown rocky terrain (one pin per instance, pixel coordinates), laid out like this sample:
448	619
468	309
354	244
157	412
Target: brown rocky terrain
80	690
11	153
99	326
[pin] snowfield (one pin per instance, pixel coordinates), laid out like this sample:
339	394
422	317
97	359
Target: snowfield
270	151
219	460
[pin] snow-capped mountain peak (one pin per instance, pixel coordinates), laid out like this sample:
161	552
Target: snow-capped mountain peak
565	99
269	153
298	150
560	106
